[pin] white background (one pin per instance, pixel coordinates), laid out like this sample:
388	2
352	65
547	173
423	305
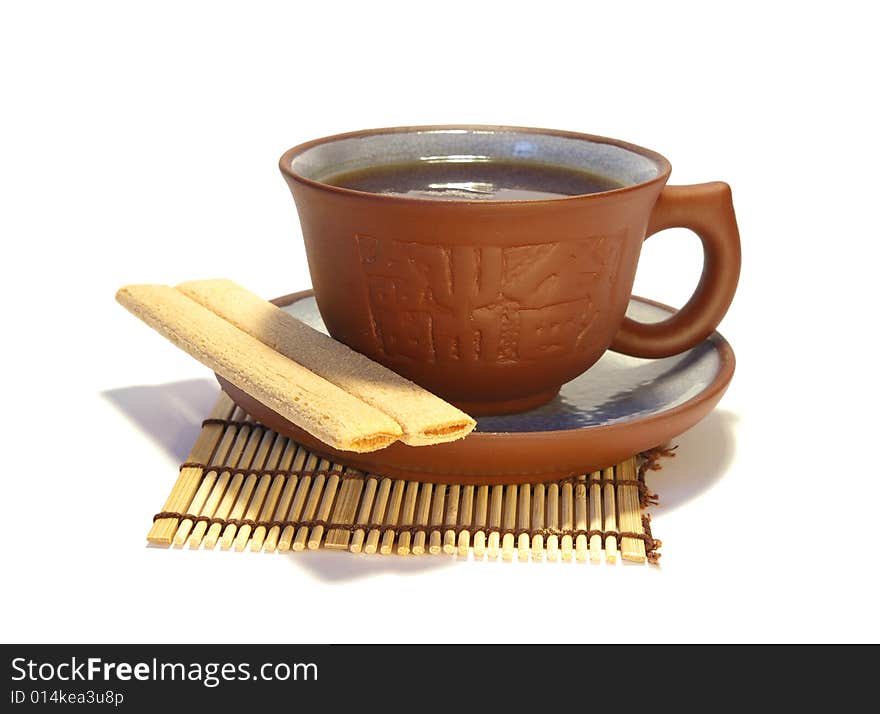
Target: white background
139	143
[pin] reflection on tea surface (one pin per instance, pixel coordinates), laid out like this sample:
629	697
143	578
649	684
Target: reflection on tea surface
474	180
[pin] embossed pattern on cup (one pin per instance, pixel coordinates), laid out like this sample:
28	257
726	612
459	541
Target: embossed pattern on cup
487	303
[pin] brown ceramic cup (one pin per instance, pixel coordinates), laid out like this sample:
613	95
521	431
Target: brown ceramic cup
494	305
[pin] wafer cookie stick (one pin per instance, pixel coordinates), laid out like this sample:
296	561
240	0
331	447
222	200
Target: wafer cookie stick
424	417
319	407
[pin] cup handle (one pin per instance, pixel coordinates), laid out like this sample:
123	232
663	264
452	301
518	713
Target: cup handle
706	209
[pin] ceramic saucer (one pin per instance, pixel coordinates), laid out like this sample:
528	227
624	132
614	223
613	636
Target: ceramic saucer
619	407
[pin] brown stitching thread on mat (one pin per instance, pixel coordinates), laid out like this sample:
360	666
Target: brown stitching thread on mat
651	543
312	473
441	529
168	514
531	532
601	481
239	522
650	461
300	473
192	465
189	516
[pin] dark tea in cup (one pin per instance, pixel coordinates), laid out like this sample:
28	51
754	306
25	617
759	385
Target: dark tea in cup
468	178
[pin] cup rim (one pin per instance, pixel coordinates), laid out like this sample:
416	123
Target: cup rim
285	164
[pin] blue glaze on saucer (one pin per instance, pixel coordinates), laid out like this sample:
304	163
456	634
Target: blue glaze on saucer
617	388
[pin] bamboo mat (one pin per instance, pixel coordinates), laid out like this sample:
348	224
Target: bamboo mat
246	487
